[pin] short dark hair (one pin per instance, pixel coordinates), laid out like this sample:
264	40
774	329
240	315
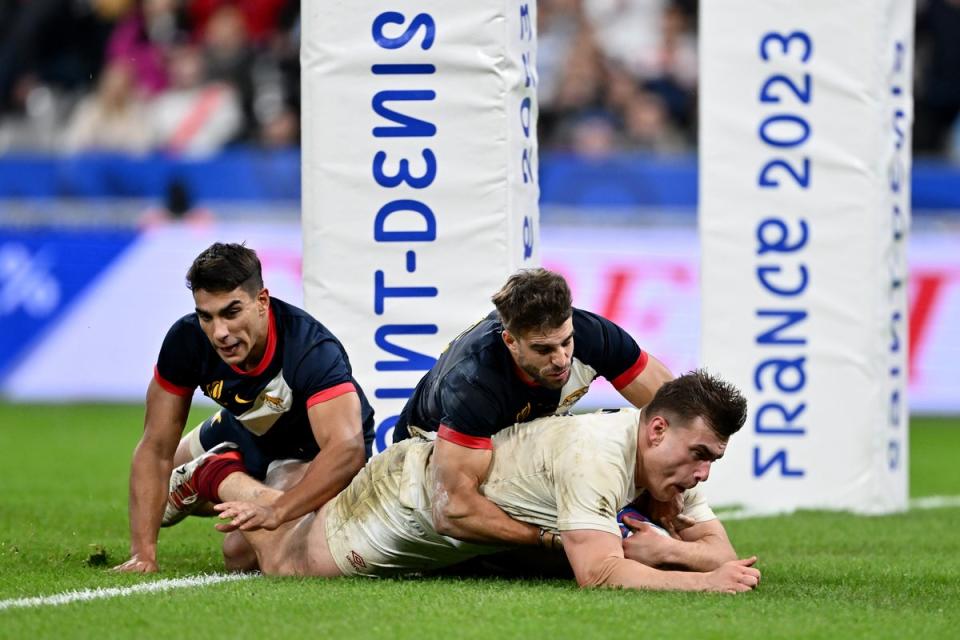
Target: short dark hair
533	299
224	267
698	393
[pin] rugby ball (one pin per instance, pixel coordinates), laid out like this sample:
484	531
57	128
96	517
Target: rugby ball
633	513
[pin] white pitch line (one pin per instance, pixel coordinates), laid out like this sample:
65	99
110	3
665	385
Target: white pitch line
935	502
115	592
927	502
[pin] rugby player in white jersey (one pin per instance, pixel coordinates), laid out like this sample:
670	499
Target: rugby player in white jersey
566	475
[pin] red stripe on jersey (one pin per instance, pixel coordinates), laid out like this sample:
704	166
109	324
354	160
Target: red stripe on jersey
331	393
630	374
168	386
268	352
470	442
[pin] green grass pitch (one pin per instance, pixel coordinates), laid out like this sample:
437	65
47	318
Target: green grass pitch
63	488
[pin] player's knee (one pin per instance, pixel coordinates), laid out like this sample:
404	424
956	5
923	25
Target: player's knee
238	555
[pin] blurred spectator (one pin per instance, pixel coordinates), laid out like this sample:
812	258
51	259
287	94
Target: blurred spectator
144	39
648	127
558	22
51	43
612	74
112	118
629	32
178	207
35	120
194	117
593	135
276	82
282	130
617	74
260	17
254	46
937	92
580	88
229	57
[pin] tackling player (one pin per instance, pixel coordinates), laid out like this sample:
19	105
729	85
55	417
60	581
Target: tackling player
565	476
534	356
285	388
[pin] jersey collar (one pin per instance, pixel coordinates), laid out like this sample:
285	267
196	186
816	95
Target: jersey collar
268	352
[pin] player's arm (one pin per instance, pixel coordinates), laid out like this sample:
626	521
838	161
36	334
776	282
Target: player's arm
459	509
166	415
640	391
703	546
336	425
597	561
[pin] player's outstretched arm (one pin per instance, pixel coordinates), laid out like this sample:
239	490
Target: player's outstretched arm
166	414
597	561
703	546
641	389
459	509
337	427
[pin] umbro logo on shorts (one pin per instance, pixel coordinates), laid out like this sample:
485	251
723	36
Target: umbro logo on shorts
356	560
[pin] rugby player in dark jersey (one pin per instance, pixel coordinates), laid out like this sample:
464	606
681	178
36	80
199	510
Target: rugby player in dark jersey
285	388
534	356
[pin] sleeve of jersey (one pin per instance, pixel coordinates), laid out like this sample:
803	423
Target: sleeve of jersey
695	506
611	351
176	368
471	413
588	488
322	374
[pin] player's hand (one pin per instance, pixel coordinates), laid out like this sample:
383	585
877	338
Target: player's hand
735	576
246	516
138	564
667	515
646	545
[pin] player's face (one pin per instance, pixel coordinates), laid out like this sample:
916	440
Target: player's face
235	323
544	355
679	456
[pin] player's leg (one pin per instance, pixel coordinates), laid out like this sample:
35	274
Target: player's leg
238	554
376	526
257	455
219	428
295	548
188	449
298	548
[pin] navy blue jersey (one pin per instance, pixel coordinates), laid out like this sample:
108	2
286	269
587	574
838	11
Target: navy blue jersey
474	390
303	365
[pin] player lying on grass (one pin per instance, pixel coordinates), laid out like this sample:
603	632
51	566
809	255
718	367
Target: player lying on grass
567	475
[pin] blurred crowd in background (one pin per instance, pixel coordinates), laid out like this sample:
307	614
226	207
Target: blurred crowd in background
190	77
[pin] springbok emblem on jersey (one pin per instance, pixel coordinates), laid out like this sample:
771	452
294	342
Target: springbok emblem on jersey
571	399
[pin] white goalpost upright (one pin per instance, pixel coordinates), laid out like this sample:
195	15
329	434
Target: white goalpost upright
805	115
419	176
